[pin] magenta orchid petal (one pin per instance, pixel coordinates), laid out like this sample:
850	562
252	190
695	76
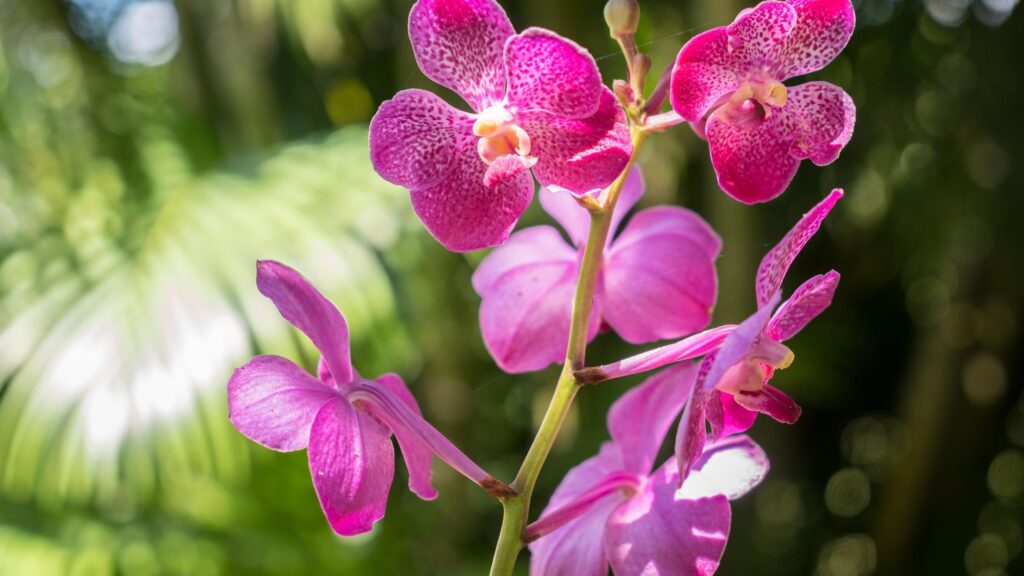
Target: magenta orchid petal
464	214
775	264
392	395
806	303
579	154
735	419
414	138
528	287
770	401
273	402
660	277
754	36
459	44
352	464
685	349
506	168
823	28
734	465
632	191
552	74
306	308
616	486
755	164
691	434
661	532
737	345
704	74
577	548
538	244
639	420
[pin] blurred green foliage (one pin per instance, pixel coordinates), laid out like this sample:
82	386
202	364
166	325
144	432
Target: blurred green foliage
151	151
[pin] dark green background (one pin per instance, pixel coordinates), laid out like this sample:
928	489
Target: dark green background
134	201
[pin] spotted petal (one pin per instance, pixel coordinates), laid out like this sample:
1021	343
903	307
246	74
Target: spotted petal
352	464
809	300
822	30
459	45
660	277
579	154
756	164
772	270
463	213
551	73
414	138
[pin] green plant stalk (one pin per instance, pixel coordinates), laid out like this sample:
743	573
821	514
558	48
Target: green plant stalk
517	508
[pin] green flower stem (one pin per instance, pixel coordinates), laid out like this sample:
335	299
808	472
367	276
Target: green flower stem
517	508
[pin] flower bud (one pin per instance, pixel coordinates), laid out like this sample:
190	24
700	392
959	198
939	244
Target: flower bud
622	17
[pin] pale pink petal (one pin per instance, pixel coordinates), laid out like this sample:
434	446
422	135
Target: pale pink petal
639	420
822	30
306	308
527	247
809	300
756	164
616	486
775	264
505	168
553	74
577	548
771	401
737	345
685	349
352	464
414	138
579	154
734	418
691	434
561	205
417	454
734	465
273	402
459	44
660	276
525	319
463	213
661	532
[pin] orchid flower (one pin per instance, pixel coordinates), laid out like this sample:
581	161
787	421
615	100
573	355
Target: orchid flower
728	83
657	280
538	103
343	420
748	357
614	510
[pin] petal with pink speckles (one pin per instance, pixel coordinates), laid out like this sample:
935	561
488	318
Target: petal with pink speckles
756	164
414	138
772	270
579	154
459	44
463	213
809	300
822	30
553	74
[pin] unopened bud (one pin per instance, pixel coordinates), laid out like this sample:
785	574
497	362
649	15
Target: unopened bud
622	17
624	92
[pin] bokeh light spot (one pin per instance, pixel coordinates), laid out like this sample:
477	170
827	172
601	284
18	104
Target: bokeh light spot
848	492
1006	476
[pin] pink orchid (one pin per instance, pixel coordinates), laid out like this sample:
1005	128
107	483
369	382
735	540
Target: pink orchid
748	357
613	510
537	102
344	420
727	82
657	280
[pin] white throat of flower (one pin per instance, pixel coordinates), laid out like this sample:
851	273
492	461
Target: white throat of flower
499	135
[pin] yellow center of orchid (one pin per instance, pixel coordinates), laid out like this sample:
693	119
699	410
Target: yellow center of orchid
499	135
